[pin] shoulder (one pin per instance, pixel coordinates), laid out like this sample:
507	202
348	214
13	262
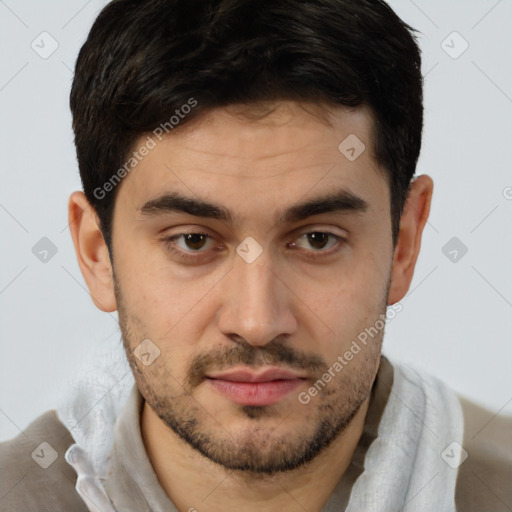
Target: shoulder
484	481
35	474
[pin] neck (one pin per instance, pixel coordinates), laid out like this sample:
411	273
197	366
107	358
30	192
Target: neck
193	482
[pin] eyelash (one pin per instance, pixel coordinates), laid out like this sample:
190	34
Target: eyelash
188	256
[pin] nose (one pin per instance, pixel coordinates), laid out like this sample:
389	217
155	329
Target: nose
256	304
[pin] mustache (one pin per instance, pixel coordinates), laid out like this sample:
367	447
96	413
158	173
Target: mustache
274	353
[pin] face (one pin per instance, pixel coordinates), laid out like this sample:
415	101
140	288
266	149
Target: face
252	254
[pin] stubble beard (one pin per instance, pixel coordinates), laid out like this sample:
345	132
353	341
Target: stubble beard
257	450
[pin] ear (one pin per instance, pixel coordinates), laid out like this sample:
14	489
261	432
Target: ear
412	222
91	251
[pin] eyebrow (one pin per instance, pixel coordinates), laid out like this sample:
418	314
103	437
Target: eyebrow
338	201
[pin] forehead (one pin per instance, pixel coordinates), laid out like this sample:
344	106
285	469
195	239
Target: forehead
239	156
274	130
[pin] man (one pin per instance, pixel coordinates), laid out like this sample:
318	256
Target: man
253	333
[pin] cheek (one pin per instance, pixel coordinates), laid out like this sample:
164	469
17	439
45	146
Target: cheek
347	305
153	294
172	315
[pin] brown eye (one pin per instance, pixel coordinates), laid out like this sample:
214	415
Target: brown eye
189	243
195	241
318	240
193	247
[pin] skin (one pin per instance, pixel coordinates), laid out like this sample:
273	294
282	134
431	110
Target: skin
239	314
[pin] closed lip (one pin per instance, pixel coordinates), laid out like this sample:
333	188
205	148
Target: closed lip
251	375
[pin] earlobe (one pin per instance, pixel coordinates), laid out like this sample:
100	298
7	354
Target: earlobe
91	251
412	222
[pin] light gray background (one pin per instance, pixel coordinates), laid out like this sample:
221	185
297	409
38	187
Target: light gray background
456	321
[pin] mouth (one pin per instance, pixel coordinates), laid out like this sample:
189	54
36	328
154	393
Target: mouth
255	388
